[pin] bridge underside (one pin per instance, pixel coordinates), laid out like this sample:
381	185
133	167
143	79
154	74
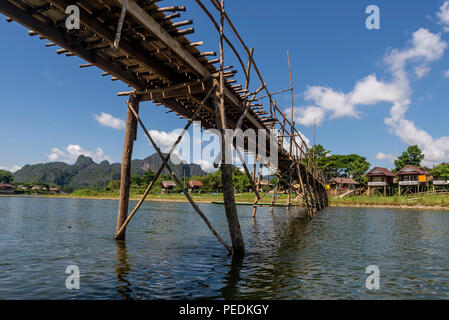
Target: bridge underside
152	55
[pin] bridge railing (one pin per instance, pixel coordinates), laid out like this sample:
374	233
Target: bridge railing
298	148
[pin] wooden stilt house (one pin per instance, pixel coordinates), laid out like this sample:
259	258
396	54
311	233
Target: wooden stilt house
338	186
380	180
195	186
411	180
167	186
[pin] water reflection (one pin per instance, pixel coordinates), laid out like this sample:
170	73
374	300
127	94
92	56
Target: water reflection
232	279
122	269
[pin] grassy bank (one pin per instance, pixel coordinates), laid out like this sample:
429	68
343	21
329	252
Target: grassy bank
172	197
420	201
424	200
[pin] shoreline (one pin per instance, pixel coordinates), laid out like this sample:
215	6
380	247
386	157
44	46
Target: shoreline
97	198
389	206
149	199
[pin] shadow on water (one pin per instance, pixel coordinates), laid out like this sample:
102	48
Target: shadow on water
122	269
232	279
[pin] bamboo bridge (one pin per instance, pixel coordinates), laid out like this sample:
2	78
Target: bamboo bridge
142	44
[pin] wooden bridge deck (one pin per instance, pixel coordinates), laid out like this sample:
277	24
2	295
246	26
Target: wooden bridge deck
157	60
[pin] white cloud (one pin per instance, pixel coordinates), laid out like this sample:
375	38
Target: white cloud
424	48
206	166
446	74
308	115
421	71
330	101
443	16
72	152
107	120
425	45
164	140
385	156
13	168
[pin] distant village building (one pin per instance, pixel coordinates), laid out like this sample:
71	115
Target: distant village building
6	188
440	181
341	185
265	183
380	179
195	186
55	190
167	186
36	188
411	180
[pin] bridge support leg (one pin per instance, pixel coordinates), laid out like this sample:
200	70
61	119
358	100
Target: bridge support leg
273	199
259	170
130	136
238	247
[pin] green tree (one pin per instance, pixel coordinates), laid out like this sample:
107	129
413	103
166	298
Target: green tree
319	152
148	176
212	181
441	171
136	180
113	185
412	156
240	180
357	167
351	166
6	176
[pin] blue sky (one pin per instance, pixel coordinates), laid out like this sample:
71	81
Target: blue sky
345	76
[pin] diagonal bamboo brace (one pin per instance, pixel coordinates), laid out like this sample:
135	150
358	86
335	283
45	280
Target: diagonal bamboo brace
194	205
161	168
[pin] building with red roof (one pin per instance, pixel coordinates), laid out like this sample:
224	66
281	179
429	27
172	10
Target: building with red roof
341	185
6	188
412	179
380	179
195	186
167	186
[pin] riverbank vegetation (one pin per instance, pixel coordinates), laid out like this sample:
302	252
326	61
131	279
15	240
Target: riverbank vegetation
246	197
424	199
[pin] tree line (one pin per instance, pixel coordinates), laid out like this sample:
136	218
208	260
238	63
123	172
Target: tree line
355	166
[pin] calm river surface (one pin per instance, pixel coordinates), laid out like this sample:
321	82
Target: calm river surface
170	253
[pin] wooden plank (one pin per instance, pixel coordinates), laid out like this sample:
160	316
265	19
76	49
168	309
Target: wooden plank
66	40
181	90
151	25
136	51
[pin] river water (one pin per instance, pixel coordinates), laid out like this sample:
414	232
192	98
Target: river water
170	253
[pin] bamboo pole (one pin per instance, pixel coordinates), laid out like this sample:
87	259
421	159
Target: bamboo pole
257	199
292	130
130	135
226	169
275	191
